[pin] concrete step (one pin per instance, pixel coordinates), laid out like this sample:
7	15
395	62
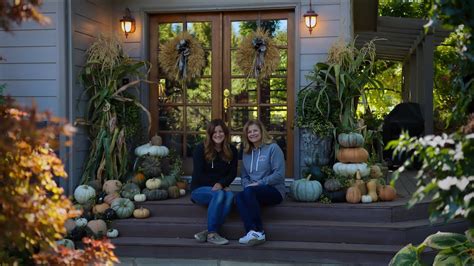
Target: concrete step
394	211
398	233
278	251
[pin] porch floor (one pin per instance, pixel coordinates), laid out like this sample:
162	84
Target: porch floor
297	233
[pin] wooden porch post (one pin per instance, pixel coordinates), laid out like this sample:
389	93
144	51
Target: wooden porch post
426	90
406	81
412	77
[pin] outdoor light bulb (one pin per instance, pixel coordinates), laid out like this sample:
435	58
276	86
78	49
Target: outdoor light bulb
127	26
310	21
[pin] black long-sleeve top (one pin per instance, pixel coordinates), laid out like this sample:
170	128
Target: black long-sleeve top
217	171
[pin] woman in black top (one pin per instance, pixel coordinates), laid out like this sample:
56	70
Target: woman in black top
214	169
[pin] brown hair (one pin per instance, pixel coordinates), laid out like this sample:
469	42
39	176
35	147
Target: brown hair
210	152
266	138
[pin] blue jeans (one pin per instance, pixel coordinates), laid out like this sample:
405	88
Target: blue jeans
219	205
248	202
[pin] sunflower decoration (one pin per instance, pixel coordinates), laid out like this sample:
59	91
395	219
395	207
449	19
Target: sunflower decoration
182	58
257	56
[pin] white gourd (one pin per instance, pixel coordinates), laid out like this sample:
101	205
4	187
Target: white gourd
349	169
83	193
148	149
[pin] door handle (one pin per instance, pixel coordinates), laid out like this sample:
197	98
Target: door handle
226	99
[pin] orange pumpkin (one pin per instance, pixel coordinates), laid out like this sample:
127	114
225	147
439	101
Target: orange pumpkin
181	185
139	179
387	193
353	195
109	198
352	155
100	208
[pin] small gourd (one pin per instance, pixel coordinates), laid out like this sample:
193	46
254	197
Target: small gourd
123	207
182	192
81	222
141	213
98	227
181	185
372	189
366	199
109	214
84	193
360	183
353	195
153	183
139	179
139	197
305	190
112	233
375	172
111	186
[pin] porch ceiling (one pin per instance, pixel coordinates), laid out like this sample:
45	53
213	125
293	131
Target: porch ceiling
399	37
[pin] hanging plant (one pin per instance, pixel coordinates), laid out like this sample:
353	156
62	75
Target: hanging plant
257	56
182	58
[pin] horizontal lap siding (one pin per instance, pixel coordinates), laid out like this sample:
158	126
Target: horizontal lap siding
89	19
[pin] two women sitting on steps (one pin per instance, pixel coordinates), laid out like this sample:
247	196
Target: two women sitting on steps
262	176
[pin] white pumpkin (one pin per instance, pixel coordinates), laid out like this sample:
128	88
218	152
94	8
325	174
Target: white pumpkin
182	192
81	222
153	183
84	193
112	233
139	197
366	199
349	169
148	149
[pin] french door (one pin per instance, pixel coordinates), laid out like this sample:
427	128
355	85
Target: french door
180	115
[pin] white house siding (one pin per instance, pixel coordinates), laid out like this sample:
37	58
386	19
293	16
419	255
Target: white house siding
34	56
334	22
89	18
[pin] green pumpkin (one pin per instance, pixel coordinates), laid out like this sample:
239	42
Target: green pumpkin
155	194
332	184
167	181
123	207
306	190
350	140
129	190
173	192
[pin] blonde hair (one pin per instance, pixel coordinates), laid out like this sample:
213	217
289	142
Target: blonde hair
210	152
266	138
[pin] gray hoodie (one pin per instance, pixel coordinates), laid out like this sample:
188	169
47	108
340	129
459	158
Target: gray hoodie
265	165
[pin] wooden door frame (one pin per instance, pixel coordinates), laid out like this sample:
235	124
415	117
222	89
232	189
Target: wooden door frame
219	40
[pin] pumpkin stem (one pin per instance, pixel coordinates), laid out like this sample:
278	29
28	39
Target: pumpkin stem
308	177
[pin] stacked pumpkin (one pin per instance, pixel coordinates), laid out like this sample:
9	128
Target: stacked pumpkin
352	159
154	176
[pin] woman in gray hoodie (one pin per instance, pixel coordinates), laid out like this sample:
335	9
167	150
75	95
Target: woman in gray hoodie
263	179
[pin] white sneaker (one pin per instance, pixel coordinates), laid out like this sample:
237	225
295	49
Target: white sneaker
252	238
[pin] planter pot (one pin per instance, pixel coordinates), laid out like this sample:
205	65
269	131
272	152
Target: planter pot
336	196
315	150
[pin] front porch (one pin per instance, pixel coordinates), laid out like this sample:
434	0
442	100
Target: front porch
367	234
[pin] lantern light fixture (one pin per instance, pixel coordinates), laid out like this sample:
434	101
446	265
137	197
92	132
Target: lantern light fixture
127	23
310	18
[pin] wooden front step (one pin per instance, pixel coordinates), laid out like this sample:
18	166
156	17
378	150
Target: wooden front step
297	232
271	251
379	212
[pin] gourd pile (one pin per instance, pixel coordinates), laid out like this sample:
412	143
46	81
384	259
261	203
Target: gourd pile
154	180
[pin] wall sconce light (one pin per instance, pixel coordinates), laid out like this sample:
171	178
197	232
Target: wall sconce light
127	23
310	18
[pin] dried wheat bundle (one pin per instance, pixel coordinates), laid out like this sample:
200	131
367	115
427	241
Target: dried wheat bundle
182	58
106	51
257	56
